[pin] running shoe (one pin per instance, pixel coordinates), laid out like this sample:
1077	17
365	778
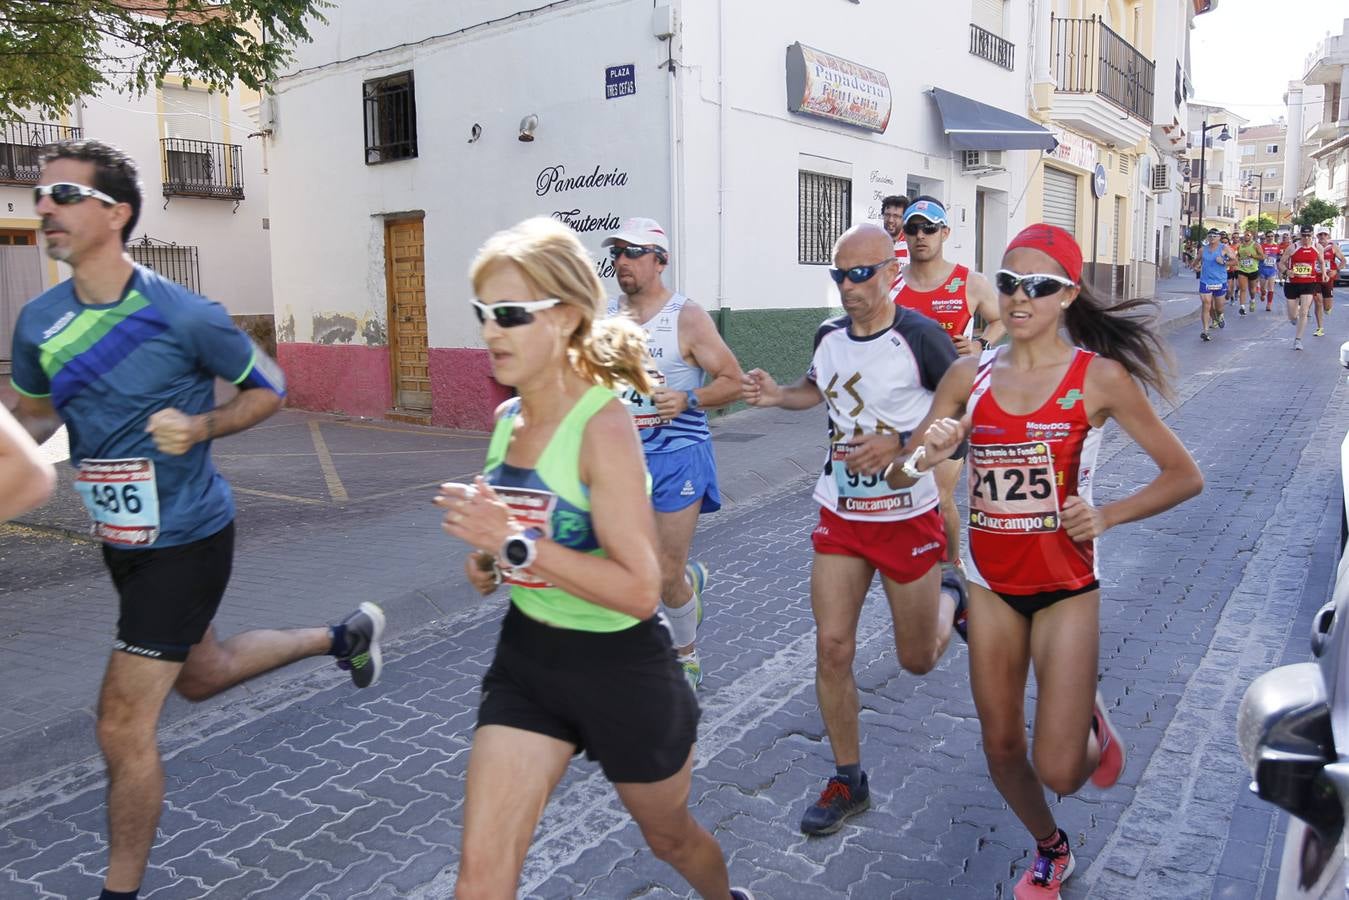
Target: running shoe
1044	877
837	802
1203	336
362	656
741	894
953	583
1320	332
696	574
1111	764
693	668
1222	320
1241	308
1269	307
1297	343
1252	305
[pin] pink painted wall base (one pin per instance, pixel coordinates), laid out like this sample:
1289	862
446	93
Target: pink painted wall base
355	379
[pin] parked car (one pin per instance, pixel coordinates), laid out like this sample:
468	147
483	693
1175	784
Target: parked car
1293	728
1343	276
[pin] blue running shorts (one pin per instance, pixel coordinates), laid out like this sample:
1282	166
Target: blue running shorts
684	476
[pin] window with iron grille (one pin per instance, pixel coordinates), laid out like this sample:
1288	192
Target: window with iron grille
176	262
390	119
824	207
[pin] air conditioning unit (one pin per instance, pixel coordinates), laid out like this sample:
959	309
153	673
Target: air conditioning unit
980	160
1161	178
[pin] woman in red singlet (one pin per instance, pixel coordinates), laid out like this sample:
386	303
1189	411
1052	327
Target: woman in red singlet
1033	412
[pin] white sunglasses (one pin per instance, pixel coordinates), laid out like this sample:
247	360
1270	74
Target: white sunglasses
510	313
64	193
1036	285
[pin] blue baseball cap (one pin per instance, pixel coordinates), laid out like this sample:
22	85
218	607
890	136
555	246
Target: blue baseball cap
931	210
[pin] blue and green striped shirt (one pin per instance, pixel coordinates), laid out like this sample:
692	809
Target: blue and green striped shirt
107	368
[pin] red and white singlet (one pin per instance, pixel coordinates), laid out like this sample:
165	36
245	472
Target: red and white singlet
902	260
1021	470
947	305
1331	261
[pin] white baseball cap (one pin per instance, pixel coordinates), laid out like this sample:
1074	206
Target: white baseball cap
643	232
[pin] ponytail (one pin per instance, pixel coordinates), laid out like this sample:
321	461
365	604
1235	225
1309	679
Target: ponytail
1121	333
612	352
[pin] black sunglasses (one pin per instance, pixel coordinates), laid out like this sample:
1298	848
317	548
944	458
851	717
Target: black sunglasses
65	193
1035	286
928	229
634	251
857	274
511	313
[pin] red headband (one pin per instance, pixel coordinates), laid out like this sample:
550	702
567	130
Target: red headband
1055	243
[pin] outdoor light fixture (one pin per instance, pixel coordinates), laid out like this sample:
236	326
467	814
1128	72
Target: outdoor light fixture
474	133
527	126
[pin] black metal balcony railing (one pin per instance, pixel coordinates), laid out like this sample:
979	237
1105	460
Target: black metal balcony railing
21	146
202	169
987	45
1088	57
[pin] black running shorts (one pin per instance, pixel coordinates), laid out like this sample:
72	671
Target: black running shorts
619	696
169	595
1295	289
1030	604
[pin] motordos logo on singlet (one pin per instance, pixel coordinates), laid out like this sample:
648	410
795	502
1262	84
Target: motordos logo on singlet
1048	431
953	286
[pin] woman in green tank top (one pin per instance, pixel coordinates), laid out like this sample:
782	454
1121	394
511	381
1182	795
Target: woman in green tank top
561	514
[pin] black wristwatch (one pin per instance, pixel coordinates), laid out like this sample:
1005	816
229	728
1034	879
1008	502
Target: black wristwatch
983	341
520	550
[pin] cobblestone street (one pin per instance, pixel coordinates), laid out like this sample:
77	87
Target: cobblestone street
301	787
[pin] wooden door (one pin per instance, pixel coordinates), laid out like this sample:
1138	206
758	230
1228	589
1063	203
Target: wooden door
405	265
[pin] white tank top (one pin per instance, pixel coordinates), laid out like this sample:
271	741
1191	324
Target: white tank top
662	343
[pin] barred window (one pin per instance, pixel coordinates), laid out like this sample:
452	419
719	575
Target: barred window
824	204
390	119
176	262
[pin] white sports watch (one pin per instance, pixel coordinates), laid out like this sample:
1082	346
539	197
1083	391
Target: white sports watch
910	467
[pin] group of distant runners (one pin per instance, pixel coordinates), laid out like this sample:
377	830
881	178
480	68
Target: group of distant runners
932	373
1245	268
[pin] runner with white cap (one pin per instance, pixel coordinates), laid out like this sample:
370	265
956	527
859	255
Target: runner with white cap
685	349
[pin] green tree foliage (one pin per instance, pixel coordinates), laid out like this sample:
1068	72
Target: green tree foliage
1317	212
54	51
1255	226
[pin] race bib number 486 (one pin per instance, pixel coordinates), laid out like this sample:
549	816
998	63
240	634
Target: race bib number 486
122	498
1012	488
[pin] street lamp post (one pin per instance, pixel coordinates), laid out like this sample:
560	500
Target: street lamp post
1203	174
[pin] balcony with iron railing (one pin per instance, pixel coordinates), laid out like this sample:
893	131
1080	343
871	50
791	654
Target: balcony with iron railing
987	45
202	169
21	146
1098	75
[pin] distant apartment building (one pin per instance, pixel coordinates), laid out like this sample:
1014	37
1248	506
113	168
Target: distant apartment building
204	217
1261	153
1214	171
1318	122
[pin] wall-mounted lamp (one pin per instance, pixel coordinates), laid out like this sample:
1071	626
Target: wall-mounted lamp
527	126
474	133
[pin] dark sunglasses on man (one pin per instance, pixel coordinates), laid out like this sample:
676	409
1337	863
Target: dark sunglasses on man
65	193
857	274
633	251
928	228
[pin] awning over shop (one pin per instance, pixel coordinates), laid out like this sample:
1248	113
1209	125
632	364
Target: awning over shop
972	125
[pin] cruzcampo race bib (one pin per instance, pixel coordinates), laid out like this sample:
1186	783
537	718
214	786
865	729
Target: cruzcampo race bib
642	406
1012	488
122	499
860	494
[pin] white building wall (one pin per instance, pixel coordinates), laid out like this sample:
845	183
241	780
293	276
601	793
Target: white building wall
233	250
754	148
327	229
